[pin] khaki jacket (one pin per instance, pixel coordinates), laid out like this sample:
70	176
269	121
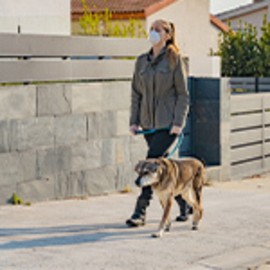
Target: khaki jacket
159	95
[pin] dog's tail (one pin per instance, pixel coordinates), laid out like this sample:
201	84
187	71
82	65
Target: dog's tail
199	182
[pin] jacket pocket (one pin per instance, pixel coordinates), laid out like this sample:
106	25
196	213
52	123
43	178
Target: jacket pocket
164	80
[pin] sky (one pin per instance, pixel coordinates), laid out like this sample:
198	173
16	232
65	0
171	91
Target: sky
217	6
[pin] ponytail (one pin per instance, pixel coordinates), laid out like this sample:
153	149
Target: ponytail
173	50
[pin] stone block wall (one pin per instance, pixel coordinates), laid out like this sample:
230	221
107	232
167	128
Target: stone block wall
62	141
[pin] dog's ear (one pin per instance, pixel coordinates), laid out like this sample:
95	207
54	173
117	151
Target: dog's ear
158	163
138	167
162	164
155	164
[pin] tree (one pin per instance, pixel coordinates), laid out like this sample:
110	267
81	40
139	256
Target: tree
96	24
264	45
243	53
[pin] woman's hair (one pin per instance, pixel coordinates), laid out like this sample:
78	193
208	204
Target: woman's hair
173	49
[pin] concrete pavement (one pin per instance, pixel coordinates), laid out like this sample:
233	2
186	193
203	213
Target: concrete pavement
90	234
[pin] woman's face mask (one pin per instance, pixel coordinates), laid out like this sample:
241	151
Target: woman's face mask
154	37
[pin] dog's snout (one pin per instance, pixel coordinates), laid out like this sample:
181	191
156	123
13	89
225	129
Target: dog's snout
138	181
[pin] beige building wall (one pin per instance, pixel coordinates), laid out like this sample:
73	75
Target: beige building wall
35	17
194	34
192	22
214	38
255	18
251	14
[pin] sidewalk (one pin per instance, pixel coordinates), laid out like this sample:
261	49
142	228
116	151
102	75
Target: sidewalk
90	234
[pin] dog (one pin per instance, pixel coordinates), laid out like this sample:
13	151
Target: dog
169	178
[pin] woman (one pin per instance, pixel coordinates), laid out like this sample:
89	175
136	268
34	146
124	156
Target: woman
159	101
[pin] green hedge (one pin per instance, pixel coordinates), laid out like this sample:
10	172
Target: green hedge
244	53
101	24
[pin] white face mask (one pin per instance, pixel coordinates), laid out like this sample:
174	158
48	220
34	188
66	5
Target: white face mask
154	37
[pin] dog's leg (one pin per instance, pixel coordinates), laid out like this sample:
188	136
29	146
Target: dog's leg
168	223
190	197
166	216
197	195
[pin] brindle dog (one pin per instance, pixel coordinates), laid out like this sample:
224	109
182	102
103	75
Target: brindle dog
169	178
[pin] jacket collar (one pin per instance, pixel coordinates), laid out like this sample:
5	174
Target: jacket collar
158	58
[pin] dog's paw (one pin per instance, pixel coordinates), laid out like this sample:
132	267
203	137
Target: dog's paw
168	227
194	226
157	234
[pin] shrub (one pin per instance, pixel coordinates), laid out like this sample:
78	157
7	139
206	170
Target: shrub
243	53
101	24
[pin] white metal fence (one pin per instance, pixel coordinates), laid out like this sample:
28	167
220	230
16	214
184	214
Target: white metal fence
250	134
29	58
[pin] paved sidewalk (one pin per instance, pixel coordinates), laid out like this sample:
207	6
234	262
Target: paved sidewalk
90	234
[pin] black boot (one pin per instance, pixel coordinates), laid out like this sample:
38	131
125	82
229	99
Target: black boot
185	209
138	217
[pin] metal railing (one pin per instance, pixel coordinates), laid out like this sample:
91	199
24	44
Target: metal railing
249	85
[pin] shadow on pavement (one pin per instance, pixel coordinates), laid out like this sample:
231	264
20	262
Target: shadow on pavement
80	234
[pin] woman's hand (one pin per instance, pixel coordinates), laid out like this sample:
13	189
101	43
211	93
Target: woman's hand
176	130
133	129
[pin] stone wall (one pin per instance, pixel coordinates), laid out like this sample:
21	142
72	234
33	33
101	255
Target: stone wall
66	140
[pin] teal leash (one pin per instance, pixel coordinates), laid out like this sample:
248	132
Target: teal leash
177	146
150	131
153	130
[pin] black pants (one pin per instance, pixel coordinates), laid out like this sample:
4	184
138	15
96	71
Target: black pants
158	143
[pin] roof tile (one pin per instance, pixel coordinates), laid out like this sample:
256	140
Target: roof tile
114	5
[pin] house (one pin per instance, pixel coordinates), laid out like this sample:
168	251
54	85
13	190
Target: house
196	30
217	26
252	14
35	17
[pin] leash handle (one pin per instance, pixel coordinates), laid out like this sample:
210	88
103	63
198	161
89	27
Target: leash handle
145	132
150	131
